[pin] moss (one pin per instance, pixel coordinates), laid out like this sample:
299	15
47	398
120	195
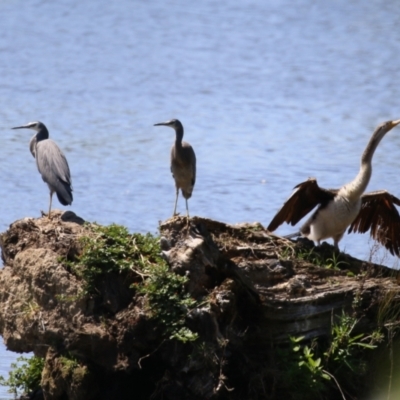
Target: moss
71	368
113	250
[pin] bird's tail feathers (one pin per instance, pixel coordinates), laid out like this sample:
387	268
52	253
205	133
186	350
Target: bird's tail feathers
64	194
187	193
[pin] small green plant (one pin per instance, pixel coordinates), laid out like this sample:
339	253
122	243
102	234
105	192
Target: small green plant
347	355
334	263
168	302
389	310
72	368
69	364
310	256
306	369
30	309
25	375
112	249
313	367
344	348
286	253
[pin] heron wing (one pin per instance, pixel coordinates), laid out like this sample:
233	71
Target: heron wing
53	167
51	162
379	214
183	164
32	145
306	196
193	158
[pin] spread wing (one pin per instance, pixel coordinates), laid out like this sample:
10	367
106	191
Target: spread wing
305	197
379	214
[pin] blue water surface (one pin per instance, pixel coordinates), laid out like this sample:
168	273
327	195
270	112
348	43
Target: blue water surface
269	92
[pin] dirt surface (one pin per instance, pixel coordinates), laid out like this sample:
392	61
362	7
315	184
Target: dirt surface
254	290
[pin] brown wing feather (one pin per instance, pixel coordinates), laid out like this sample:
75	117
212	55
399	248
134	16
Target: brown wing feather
379	214
305	197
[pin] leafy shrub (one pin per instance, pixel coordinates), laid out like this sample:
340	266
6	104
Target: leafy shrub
112	249
25	375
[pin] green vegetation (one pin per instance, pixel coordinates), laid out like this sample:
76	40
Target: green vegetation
314	256
305	368
69	364
334	262
72	368
314	366
287	252
112	249
310	255
25	375
168	303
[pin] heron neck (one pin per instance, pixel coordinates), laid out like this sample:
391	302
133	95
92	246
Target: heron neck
42	134
179	137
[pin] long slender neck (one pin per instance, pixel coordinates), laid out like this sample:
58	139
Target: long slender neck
42	134
357	187
179	136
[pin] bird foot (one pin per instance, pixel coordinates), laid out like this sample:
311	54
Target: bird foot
188	227
44	214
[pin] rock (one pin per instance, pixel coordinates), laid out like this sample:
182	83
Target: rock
252	293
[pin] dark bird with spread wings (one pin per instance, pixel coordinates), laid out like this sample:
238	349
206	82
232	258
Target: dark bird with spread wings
346	207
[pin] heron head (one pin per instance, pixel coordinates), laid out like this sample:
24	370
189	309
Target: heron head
36	126
173	123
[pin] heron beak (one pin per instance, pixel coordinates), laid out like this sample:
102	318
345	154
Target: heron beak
161	123
19	127
394	123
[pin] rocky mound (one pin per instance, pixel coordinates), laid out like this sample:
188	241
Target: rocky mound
250	291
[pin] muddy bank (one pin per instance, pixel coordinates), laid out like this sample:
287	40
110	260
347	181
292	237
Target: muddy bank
250	291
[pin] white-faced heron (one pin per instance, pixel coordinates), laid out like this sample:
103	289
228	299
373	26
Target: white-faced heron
183	163
51	163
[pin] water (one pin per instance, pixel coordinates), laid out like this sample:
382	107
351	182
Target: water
270	93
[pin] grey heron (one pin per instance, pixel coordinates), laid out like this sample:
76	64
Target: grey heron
51	163
183	163
347	206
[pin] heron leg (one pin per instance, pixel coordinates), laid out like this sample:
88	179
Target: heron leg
187	209
51	198
176	201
